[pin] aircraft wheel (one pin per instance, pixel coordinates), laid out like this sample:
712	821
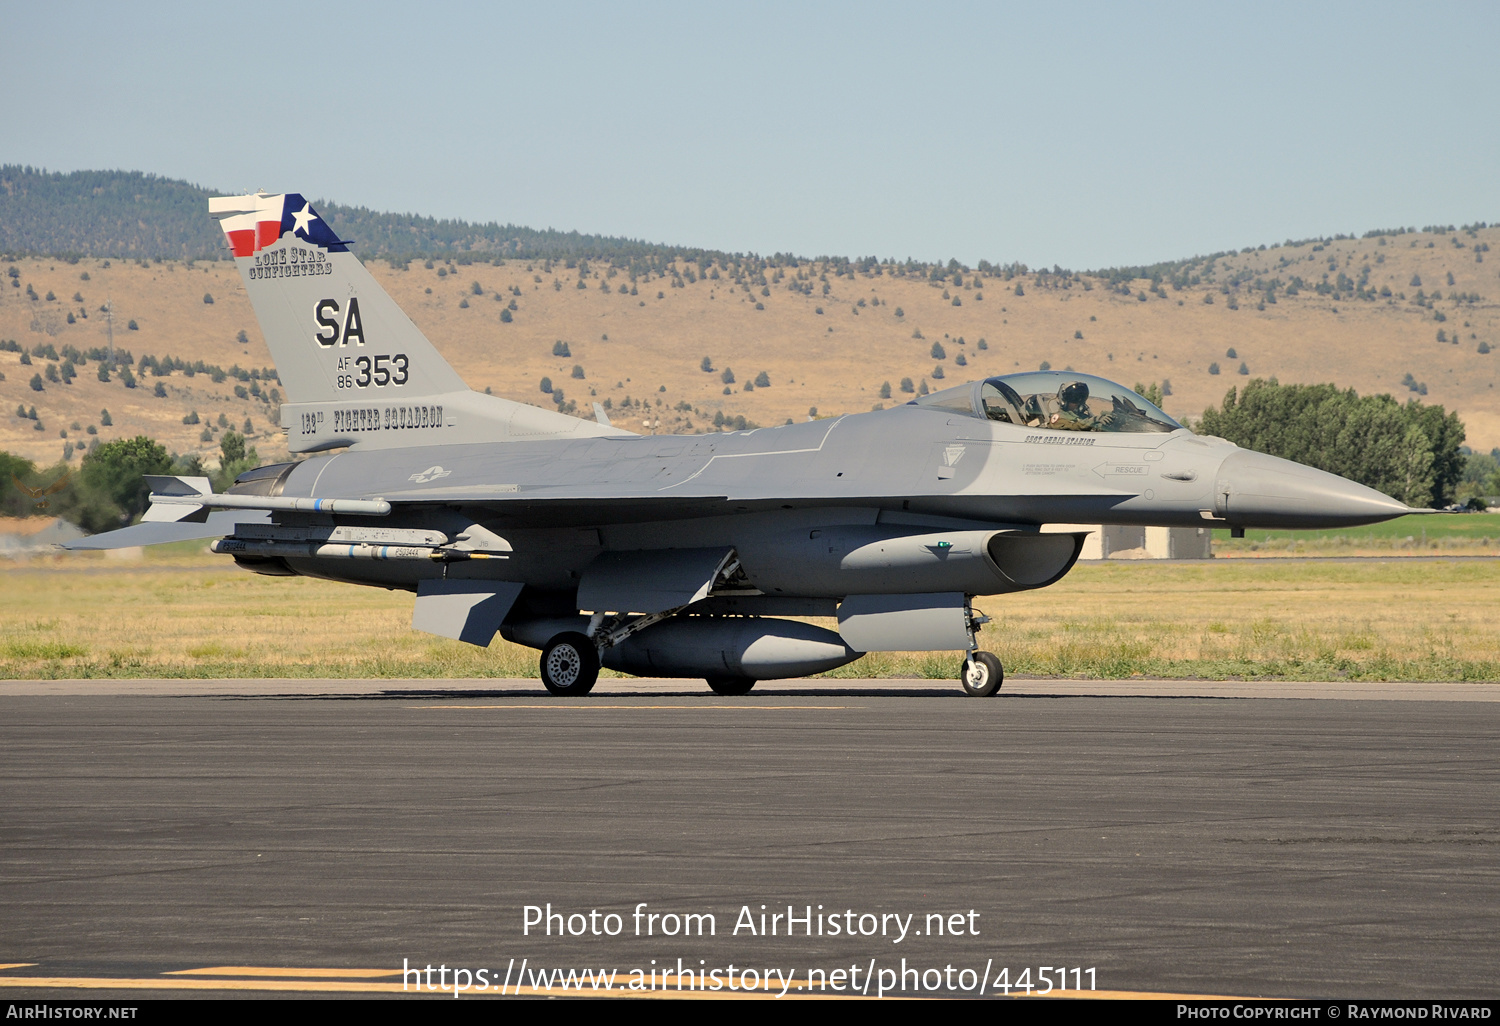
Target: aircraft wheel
731	685
570	664
981	675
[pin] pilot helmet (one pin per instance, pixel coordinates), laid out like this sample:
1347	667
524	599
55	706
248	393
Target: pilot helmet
1074	393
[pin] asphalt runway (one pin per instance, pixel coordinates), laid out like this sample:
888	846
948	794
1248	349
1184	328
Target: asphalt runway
1296	840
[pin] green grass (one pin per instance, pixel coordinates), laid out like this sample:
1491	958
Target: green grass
1442	533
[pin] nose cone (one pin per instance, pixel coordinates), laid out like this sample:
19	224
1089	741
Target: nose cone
1256	490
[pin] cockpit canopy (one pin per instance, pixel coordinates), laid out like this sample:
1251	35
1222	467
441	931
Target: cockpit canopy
1059	400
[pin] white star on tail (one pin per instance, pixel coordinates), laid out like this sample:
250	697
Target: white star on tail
304	218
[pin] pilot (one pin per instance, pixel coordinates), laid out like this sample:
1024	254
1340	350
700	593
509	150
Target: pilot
1073	409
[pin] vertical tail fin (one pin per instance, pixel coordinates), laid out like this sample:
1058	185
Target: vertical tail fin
355	368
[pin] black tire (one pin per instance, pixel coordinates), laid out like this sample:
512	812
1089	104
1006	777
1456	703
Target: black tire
981	675
731	685
570	664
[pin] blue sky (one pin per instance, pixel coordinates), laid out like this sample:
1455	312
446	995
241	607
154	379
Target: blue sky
1080	134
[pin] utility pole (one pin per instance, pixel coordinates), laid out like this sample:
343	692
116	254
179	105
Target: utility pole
109	328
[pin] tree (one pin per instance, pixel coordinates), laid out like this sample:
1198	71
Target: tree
762	380
1245	370
1152	393
208	299
236	458
885	390
907	386
578	370
1213	368
477	289
242	338
36	383
160	391
707	366
1410	451
105	419
232	447
938	352
547	385
114	472
506	317
560	348
727	377
14	502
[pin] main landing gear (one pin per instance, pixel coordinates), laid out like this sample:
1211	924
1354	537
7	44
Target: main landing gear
731	685
570	664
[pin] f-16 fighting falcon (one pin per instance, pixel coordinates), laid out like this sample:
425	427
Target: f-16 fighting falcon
685	555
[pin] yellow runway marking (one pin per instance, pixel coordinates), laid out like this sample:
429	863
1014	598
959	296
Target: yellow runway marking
586	707
159	983
337	981
260	970
348	986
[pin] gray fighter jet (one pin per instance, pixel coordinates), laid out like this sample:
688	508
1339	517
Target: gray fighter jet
685	555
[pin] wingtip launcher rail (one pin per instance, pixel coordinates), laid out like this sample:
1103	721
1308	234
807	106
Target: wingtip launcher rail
360	507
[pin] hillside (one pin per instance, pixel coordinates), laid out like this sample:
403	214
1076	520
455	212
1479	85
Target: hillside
876	325
135	215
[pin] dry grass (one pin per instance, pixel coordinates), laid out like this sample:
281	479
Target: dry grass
180	615
652	343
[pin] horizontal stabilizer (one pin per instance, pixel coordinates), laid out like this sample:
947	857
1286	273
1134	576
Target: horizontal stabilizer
214	525
650	581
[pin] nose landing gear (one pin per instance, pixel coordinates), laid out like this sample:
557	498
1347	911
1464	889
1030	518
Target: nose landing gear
981	674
